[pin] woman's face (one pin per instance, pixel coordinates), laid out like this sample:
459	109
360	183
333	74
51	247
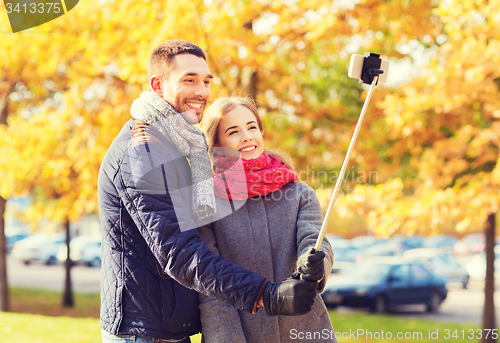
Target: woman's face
239	130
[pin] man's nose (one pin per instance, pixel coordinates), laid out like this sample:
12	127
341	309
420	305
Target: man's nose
202	90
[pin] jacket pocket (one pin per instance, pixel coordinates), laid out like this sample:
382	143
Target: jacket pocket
180	309
161	273
319	306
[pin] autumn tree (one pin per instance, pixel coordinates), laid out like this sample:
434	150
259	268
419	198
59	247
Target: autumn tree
443	127
75	81
41	154
23	78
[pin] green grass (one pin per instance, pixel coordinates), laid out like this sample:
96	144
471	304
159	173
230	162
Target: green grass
22	327
32	328
349	323
43	319
48	303
38	316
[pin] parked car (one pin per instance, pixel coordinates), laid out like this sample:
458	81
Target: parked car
344	254
477	266
383	283
83	249
40	247
10	240
441	263
363	242
384	249
440	241
408	242
470	244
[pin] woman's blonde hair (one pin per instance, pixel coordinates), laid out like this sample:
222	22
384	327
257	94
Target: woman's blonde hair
215	112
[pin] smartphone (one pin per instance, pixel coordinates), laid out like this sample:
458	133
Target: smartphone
360	65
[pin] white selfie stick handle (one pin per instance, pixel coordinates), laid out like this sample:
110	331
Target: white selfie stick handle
344	165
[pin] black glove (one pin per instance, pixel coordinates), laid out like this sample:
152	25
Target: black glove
289	298
310	266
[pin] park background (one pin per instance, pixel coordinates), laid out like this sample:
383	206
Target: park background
427	158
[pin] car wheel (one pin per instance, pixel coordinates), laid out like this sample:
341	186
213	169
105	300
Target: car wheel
379	304
96	262
465	282
51	261
434	303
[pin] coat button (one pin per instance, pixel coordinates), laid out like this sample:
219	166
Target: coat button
118	314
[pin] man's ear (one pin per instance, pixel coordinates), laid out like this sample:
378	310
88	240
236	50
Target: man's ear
155	85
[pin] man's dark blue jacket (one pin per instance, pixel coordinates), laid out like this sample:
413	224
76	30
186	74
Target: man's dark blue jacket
148	263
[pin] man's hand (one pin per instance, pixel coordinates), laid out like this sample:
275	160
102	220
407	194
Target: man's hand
310	266
289	298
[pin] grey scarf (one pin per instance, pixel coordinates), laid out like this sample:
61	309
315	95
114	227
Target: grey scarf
188	139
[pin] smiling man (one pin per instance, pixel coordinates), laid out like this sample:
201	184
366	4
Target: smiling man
155	182
186	81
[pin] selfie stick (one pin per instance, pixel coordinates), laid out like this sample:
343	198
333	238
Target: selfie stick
373	72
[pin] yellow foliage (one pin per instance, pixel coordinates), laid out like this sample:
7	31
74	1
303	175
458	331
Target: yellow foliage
434	141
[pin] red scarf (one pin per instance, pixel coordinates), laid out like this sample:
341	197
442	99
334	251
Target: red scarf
239	179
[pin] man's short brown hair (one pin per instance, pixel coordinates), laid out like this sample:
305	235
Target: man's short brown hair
161	59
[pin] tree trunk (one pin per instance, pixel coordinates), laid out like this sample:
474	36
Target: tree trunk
252	85
4	285
68	291
489	285
5	90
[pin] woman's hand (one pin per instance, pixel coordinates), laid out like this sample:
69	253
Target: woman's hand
310	266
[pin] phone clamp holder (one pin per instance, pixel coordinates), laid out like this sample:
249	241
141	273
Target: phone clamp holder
371	68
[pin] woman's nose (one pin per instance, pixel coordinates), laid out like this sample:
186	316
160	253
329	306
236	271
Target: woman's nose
246	136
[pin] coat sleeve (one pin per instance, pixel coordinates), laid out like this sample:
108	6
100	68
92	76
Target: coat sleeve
220	322
309	222
149	186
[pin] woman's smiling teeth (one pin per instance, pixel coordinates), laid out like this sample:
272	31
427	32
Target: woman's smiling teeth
250	148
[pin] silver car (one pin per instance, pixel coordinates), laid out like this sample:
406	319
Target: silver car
83	249
441	263
40	247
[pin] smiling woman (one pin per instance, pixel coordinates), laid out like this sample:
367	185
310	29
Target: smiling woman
239	130
272	231
234	122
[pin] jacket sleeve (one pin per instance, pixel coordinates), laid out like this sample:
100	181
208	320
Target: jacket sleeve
149	185
309	220
220	322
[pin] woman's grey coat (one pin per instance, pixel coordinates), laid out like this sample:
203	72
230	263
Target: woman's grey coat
266	234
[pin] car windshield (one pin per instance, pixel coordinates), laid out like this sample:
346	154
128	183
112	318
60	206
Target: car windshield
369	270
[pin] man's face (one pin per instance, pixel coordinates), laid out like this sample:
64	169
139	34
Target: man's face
187	87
